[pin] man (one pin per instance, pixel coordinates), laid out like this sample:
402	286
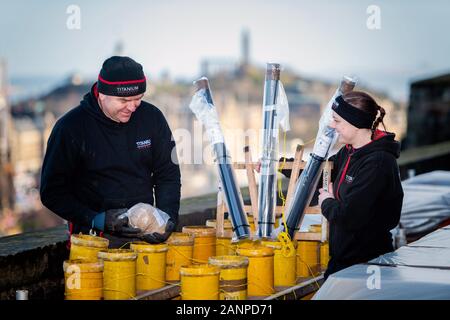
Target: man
109	153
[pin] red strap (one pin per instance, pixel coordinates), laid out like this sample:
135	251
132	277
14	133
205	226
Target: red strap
70	233
121	82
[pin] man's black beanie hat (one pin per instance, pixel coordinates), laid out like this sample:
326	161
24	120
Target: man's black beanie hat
122	77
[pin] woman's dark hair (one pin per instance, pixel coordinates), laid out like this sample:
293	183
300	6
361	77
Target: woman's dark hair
366	103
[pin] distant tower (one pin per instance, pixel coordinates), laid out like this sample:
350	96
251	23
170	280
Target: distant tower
204	68
118	48
245	48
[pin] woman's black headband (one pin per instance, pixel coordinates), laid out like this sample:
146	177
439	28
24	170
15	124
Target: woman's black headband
355	116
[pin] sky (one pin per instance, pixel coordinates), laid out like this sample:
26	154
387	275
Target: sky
324	39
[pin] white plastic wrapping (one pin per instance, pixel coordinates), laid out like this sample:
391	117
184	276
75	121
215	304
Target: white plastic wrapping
282	107
206	113
426	202
147	218
416	256
327	136
411	272
359	282
270	140
438	239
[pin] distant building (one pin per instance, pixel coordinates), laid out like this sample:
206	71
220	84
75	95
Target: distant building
28	140
245	48
6	167
237	86
429	112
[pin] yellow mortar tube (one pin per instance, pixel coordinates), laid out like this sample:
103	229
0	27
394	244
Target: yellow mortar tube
200	282
119	273
204	242
86	247
233	276
260	269
179	254
150	265
83	280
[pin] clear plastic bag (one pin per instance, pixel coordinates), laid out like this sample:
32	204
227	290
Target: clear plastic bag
147	218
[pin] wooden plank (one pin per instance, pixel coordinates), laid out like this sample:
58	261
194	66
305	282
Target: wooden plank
226	234
310	236
165	293
220	214
304	287
313	210
298	291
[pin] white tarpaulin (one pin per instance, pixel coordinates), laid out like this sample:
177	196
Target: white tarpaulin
368	282
416	256
438	239
420	270
426	202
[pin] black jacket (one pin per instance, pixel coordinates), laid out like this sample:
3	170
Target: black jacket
93	164
368	201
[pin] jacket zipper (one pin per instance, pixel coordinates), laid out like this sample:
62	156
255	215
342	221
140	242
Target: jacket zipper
343	175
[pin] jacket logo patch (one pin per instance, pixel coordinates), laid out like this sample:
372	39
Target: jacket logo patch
348	179
144	144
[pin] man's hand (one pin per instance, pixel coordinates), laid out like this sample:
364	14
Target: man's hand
156	238
326	194
258	166
119	227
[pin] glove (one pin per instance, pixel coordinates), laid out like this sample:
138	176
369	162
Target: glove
286	172
119	227
155	238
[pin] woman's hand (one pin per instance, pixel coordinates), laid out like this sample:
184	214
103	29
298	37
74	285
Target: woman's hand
326	194
258	166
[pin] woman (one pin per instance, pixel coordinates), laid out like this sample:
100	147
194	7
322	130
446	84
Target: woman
364	202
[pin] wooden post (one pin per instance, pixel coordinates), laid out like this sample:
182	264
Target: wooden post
294	173
253	190
220	214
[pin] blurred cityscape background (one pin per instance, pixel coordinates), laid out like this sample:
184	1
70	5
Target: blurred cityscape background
403	64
